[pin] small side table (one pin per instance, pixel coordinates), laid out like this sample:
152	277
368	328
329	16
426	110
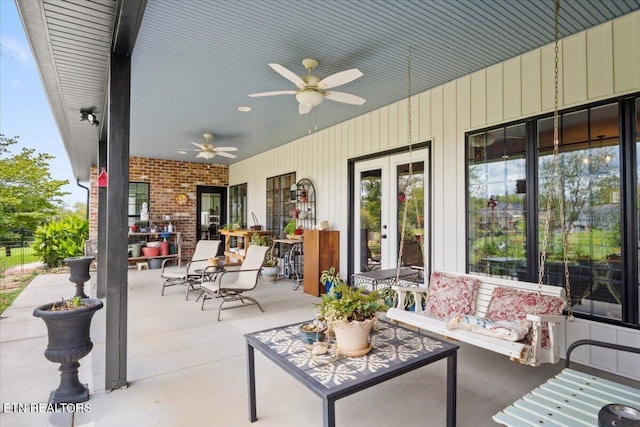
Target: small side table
209	274
372	280
295	250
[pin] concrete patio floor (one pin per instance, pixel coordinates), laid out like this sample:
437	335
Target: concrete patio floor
187	369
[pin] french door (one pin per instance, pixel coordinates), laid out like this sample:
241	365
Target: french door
383	186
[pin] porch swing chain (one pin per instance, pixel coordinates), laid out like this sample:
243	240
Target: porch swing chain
410	176
555	183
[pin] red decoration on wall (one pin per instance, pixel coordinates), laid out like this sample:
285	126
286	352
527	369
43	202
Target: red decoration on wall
103	178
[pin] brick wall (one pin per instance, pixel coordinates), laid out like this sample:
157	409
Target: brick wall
167	178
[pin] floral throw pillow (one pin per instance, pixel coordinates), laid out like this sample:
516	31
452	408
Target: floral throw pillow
509	304
450	295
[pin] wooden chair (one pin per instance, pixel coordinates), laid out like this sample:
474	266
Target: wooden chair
191	275
246	279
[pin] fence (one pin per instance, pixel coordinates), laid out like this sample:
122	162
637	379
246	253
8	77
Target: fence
16	253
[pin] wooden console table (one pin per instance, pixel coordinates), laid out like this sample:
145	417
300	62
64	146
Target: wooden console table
243	242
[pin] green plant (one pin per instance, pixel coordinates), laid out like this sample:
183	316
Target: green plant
262	240
258	239
347	304
67	304
331	276
388	294
61	239
291	226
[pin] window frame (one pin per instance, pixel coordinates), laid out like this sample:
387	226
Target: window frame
627	116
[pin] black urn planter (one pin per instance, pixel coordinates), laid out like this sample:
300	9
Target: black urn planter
79	267
69	341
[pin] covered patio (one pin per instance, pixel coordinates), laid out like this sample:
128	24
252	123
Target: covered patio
185	368
156	87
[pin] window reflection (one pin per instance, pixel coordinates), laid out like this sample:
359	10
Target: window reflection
589	182
497	202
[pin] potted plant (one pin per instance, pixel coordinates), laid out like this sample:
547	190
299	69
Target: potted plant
330	278
312	331
351	317
68	325
270	269
290	228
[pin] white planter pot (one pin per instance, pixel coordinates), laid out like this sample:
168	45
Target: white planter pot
352	338
270	274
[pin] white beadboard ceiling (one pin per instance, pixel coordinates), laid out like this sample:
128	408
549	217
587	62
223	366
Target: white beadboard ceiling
195	62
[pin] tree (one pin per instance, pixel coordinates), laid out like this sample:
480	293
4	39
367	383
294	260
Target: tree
29	196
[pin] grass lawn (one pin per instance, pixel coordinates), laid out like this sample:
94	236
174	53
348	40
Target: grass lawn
11	287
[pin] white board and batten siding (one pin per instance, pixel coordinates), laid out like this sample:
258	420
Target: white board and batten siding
602	62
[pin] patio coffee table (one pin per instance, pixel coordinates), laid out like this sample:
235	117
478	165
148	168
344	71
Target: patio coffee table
396	351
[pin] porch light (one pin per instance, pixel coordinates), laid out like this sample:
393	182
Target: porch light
87	115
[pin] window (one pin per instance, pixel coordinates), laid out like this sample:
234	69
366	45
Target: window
238	205
278	206
138	194
510	180
497	201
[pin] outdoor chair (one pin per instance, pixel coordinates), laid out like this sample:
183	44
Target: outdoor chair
412	256
192	275
246	279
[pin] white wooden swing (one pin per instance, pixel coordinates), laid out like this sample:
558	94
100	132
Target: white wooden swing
531	353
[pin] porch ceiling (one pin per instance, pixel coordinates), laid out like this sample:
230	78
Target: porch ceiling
195	62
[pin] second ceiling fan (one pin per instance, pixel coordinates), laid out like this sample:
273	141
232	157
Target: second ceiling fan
207	150
312	90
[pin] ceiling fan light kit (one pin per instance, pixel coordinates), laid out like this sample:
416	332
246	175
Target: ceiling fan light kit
312	89
206	155
310	97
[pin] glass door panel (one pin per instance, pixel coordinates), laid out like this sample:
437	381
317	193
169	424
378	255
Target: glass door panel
383	187
211	207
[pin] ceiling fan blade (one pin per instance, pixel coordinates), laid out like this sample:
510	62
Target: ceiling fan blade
277	92
347	98
340	78
225	149
225	154
289	75
304	108
200	146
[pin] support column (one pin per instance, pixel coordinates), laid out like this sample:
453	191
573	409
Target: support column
101	289
116	243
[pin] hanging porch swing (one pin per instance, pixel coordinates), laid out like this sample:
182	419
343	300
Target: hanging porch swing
486	299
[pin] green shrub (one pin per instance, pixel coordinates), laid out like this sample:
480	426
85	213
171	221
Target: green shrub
61	239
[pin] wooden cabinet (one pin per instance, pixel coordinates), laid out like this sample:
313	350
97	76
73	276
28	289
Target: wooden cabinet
321	252
240	245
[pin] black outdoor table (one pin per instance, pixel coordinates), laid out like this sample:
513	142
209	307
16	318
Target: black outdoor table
396	350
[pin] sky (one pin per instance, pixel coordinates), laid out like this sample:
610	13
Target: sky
24	108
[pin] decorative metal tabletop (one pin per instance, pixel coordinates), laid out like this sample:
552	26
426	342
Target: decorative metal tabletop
392	346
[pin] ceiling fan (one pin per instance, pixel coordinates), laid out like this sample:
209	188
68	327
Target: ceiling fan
312	90
207	150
